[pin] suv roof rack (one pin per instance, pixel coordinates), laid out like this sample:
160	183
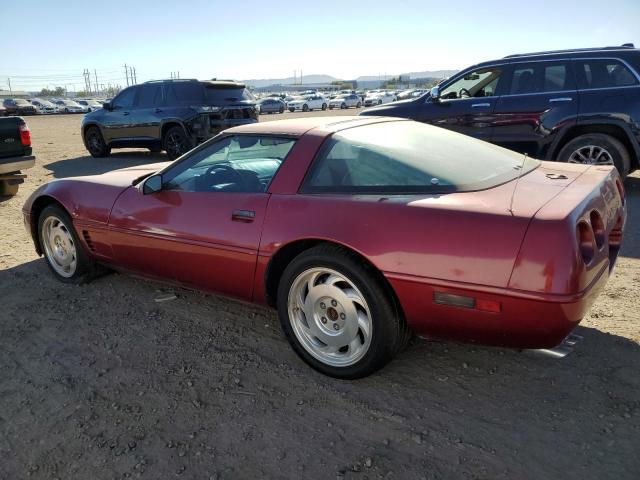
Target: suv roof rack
570	50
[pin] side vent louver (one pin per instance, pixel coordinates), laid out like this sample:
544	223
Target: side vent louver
87	240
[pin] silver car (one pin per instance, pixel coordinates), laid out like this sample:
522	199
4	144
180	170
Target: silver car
345	101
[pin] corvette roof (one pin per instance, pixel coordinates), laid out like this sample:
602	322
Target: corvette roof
299	126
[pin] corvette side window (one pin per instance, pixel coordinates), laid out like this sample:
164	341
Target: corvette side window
240	163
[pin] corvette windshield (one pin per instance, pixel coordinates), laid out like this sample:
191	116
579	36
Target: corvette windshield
409	157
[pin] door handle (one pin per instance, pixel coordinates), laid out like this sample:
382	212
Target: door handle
158	110
125	113
480	105
246	216
560	99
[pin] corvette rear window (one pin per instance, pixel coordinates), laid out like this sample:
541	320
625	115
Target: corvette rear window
408	157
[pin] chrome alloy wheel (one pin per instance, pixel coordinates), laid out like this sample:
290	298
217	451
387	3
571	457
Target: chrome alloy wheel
591	155
330	317
59	247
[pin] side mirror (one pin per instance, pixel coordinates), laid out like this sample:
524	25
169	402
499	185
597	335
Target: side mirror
107	106
152	184
435	93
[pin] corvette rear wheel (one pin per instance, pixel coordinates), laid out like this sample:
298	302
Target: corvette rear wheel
338	315
64	253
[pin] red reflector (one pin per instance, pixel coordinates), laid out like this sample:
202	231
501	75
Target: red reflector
488	306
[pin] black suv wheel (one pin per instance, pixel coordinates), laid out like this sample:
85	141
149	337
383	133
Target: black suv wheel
175	142
95	143
597	149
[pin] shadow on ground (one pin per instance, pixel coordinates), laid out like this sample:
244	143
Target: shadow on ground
88	165
103	381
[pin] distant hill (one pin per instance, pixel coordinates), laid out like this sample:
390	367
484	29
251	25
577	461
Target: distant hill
321	78
306	79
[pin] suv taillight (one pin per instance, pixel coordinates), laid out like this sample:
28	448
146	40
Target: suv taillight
25	135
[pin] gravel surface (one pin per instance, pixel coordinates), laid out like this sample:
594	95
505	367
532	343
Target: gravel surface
104	381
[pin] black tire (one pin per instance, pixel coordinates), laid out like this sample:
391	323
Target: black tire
86	269
359	105
95	143
305	108
176	142
281	110
343	106
8	189
324	106
612	145
389	330
292	110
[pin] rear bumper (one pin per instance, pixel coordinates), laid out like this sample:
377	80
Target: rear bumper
526	320
15	164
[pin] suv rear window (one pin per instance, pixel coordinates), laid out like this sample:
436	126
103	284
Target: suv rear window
603	73
408	158
217	94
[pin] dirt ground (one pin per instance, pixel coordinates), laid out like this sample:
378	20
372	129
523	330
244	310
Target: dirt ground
102	382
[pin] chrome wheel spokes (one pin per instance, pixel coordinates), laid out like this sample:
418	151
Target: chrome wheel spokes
59	247
591	155
330	317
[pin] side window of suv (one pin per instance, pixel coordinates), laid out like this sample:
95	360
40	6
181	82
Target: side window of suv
184	93
541	77
150	95
479	83
603	73
125	99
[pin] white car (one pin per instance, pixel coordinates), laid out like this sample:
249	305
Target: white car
68	106
304	104
345	101
44	106
379	98
89	105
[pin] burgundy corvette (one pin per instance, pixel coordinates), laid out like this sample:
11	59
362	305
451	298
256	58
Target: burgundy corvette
358	230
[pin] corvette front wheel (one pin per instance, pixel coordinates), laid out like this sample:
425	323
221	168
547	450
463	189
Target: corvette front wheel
337	313
65	254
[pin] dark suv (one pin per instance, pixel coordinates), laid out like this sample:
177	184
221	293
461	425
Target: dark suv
579	106
170	115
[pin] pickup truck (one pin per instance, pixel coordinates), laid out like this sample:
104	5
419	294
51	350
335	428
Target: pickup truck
15	154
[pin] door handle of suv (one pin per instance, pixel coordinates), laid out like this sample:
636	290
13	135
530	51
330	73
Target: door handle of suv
158	110
125	113
560	99
246	216
480	105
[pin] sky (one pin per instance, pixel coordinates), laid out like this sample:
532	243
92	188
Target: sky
270	39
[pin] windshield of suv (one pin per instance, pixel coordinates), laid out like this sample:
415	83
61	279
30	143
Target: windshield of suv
216	94
410	158
20	101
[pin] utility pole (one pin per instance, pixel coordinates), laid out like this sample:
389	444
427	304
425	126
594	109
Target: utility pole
95	73
9	82
135	76
126	73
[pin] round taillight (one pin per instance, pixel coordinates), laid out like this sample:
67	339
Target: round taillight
597	225
586	241
620	188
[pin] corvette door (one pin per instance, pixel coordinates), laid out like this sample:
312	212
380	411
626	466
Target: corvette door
202	227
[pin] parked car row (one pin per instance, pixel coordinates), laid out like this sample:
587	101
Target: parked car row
38	106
